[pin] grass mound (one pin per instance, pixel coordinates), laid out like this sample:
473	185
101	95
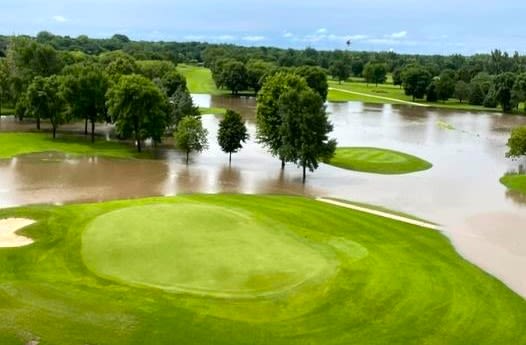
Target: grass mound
515	182
378	161
389	282
200	249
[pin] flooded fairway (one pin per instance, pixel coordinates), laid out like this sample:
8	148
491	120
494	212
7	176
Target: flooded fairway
462	190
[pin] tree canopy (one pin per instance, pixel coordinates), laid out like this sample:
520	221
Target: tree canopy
232	133
190	136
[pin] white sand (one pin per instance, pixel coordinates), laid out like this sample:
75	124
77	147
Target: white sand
8	229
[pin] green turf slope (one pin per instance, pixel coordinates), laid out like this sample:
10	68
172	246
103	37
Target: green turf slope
373	280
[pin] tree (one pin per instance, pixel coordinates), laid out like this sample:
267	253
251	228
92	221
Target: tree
503	86
138	108
232	133
357	68
182	106
4	81
431	93
397	77
490	101
268	114
234	76
45	100
304	129
191	136
375	73
339	70
517	143
476	94
461	90
85	86
154	69
446	85
172	81
416	79
518	92
316	79
257	70
121	65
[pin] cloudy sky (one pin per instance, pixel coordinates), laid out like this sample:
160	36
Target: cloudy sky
416	26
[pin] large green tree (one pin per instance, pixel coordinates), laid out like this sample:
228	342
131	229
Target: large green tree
182	106
503	89
154	69
257	71
375	73
234	76
172	81
517	143
316	79
461	90
4	82
190	136
45	100
85	87
340	70
268	115
304	129
416	79
139	108
232	133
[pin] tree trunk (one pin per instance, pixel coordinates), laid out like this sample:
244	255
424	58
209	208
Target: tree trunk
92	131
230	158
38	122
282	164
137	137
1	96
86	126
187	156
304	173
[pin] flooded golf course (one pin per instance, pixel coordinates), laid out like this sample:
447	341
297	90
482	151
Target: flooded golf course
486	223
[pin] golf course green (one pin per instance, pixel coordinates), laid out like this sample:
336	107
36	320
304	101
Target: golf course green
378	161
515	182
234	269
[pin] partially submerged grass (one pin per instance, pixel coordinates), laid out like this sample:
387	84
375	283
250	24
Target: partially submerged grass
15	144
394	283
515	182
378	161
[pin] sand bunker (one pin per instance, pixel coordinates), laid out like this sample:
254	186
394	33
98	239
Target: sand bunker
8	229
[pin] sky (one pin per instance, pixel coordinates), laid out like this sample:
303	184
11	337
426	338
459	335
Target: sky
404	26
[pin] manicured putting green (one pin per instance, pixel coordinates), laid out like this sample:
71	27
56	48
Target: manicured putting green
378	161
200	249
515	182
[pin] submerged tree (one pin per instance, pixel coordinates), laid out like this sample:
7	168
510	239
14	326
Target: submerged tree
45	100
138	108
268	116
304	129
232	133
190	136
85	87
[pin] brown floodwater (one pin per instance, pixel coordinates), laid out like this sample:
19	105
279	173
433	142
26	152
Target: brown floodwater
485	222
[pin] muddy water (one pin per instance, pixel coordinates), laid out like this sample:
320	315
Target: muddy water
485	222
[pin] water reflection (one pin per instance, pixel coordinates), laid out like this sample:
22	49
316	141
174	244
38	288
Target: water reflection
462	191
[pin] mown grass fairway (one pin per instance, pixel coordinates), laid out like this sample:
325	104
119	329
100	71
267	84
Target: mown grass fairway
15	144
515	182
199	79
369	280
378	161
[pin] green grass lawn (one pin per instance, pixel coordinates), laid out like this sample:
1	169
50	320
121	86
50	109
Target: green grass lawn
378	161
515	182
199	79
15	144
7	111
212	111
225	269
390	91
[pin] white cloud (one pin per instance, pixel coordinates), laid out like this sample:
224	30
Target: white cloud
60	19
253	38
401	34
321	31
288	34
